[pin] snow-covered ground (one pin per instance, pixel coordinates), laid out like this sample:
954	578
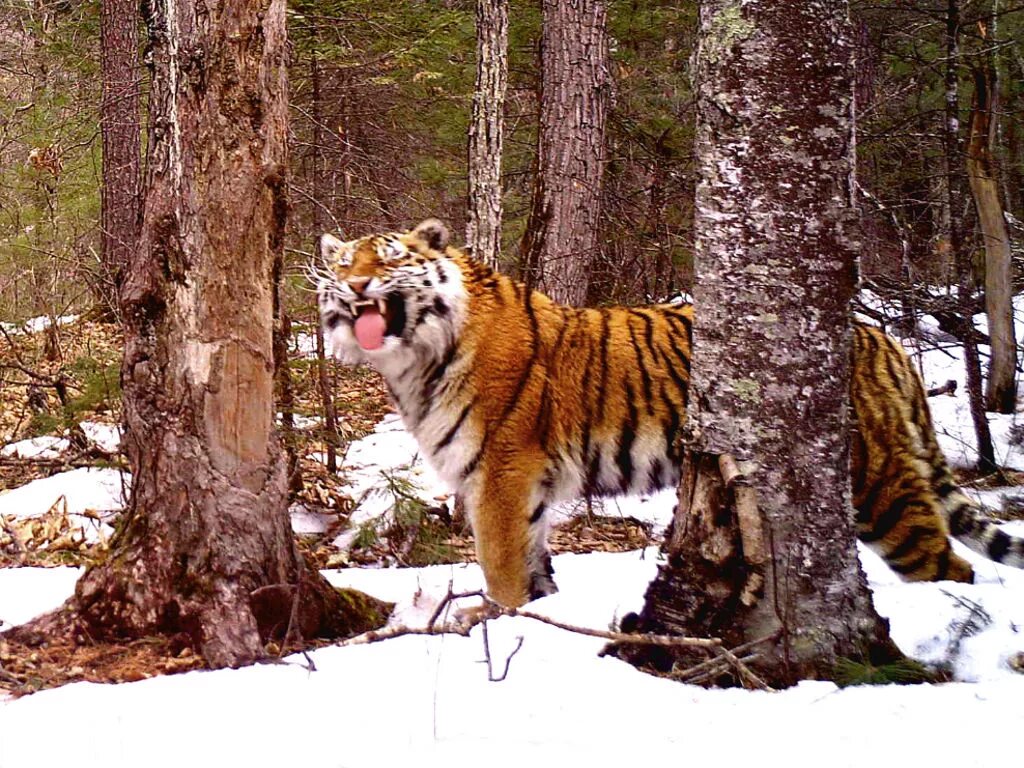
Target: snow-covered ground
427	700
37	324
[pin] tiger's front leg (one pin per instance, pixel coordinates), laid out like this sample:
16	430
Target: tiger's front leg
510	528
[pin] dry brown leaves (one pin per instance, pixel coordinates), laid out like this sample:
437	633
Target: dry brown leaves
39	359
28	668
51	539
601	533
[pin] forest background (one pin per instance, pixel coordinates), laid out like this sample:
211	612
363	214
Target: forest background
379	113
380	106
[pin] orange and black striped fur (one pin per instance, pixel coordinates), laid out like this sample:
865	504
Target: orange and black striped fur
519	403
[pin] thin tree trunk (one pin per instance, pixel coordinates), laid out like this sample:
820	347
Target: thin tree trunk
120	129
1001	388
206	549
562	233
960	257
1014	153
319	225
776	236
483	230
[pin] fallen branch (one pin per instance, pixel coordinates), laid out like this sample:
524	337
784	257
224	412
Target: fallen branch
711	668
724	658
666	641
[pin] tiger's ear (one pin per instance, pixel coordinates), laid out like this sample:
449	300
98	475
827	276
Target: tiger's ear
433	233
331	249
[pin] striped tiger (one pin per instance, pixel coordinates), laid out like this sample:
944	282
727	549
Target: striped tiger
519	402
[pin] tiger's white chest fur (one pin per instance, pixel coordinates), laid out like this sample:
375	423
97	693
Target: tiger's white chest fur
420	367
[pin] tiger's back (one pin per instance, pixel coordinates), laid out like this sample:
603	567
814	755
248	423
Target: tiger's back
519	403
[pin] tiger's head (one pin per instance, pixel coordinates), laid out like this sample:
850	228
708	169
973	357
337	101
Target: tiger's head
385	297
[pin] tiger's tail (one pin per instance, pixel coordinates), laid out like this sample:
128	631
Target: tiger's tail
969	525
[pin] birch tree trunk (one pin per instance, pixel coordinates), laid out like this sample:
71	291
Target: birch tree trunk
1001	387
776	254
562	232
120	129
205	549
483	229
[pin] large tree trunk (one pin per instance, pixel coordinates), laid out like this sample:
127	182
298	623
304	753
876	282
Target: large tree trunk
775	272
119	126
483	230
562	233
206	547
1001	388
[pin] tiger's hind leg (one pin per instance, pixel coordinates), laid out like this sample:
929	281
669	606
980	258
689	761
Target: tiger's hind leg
900	510
539	558
899	515
510	532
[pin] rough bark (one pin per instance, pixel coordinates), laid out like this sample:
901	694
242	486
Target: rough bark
483	229
562	232
1000	388
776	270
285	386
205	549
120	129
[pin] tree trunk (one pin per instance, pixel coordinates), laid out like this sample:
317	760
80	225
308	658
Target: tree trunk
562	233
1001	388
775	272
119	126
953	151
320	223
205	548
483	230
285	385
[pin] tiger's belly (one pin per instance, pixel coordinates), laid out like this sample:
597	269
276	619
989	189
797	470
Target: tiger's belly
610	467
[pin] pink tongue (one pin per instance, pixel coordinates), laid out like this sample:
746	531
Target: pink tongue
369	328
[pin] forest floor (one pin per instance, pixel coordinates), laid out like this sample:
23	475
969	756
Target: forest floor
386	525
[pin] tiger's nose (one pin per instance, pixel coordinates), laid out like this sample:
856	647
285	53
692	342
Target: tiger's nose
358	284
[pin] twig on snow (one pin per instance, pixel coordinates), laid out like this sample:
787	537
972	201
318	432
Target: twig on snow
508	661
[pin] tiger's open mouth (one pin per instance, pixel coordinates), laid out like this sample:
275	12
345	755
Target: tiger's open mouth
376	318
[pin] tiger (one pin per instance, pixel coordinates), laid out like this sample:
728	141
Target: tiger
519	403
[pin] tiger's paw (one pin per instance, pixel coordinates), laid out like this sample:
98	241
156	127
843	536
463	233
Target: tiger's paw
541	582
542	585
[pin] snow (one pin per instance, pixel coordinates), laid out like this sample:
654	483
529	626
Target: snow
304	344
27	592
427	701
37	324
45	447
106	436
81	489
88	496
